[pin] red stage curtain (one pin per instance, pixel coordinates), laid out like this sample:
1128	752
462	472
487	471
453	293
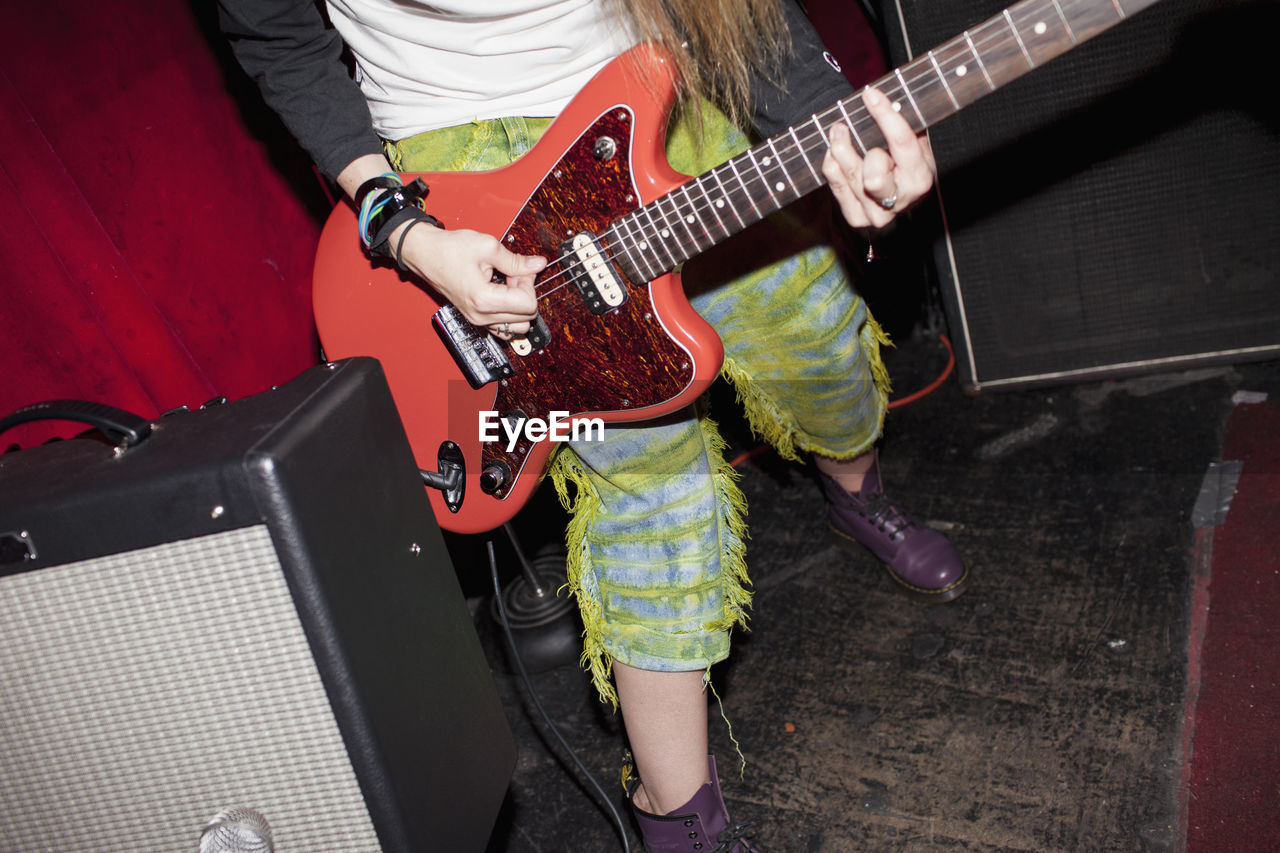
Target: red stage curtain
156	246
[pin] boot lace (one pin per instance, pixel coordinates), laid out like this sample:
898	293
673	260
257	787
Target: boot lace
733	835
881	512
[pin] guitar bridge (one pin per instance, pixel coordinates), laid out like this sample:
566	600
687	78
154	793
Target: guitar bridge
477	353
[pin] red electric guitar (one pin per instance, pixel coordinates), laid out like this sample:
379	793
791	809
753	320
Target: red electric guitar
616	339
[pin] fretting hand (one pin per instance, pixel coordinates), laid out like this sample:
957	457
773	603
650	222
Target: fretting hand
872	190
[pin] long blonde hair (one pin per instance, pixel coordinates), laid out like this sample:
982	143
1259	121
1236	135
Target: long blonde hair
728	41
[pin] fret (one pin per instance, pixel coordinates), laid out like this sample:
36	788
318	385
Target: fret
1021	46
930	95
906	91
804	155
676	222
1043	34
848	122
616	249
724	191
964	83
978	59
822	131
1021	38
1004	56
943	79
638	246
1065	25
643	245
1089	19
783	169
742	187
659	235
646	243
635	230
733	164
712	205
695	217
686	221
764	180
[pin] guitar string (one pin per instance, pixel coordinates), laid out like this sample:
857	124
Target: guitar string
703	204
991	31
998	27
806	139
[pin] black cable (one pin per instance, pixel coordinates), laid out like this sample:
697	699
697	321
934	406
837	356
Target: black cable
524	675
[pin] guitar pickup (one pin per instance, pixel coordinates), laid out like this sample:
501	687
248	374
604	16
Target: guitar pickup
477	353
593	275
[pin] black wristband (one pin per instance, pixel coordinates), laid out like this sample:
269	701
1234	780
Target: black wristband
405	233
382	182
379	245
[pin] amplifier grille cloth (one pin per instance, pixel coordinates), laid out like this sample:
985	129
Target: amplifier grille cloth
141	693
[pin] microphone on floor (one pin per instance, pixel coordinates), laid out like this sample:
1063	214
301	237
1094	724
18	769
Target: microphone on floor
237	831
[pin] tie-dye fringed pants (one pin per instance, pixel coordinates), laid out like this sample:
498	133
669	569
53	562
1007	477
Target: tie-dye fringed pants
657	536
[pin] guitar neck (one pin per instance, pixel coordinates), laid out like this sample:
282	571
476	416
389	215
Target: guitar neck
687	221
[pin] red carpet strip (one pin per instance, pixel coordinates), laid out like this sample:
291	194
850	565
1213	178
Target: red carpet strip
1233	783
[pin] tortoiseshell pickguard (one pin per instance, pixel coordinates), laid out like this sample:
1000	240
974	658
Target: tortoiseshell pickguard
622	360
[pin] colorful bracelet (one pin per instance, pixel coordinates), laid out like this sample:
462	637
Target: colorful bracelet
385	181
388	205
369	199
398	205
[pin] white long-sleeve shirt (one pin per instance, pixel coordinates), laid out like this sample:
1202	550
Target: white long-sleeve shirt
423	66
294	58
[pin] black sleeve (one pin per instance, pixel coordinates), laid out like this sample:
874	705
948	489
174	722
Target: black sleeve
295	57
808	83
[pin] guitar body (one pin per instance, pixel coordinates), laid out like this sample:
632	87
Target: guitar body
644	358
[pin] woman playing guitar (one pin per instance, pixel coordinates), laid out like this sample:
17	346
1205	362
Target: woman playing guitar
656	541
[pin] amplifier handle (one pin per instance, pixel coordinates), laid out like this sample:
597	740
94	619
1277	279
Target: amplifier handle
121	427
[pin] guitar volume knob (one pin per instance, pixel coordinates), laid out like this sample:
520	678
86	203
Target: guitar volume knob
605	148
494	477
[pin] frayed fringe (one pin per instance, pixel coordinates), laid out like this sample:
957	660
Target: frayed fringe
773	425
733	531
583	505
874	337
737	747
767	421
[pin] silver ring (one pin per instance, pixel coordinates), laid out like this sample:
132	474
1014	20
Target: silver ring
506	328
888	203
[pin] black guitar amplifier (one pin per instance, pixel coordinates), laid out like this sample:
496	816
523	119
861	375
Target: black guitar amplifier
1116	211
249	609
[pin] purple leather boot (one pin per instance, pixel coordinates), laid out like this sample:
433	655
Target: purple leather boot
923	561
701	825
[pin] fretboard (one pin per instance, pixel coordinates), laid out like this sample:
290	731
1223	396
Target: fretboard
687	221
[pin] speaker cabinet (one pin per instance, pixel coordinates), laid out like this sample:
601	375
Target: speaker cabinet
252	609
1117	210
